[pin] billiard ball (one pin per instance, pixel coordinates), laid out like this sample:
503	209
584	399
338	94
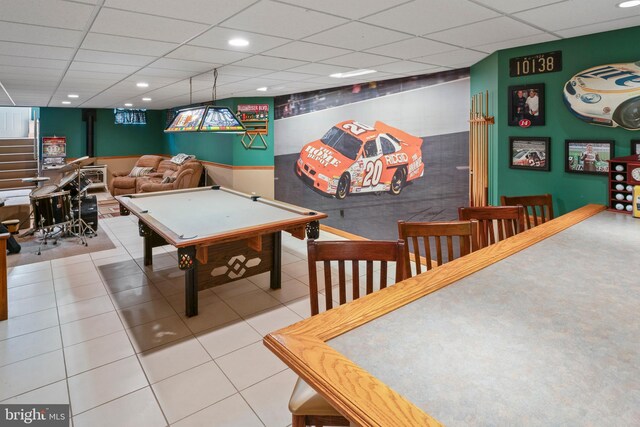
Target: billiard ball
619	168
619	177
629	208
619	196
619	206
619	187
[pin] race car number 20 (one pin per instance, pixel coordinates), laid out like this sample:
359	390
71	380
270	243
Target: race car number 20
548	62
372	173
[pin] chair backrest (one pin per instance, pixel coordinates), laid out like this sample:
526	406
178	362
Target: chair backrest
149	161
539	208
426	238
351	253
495	223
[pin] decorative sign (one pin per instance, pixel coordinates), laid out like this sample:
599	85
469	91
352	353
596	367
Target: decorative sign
54	146
253	111
524	123
541	63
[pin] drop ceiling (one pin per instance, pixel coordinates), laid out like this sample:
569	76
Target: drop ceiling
100	49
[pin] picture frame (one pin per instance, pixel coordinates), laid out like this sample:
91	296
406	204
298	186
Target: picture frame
635	147
529	152
588	156
521	101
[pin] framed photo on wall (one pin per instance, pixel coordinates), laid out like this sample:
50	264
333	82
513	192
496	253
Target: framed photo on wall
529	152
588	156
526	105
635	147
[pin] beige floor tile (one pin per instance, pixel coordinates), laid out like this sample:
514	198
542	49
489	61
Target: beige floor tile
132	281
250	365
145	312
302	306
80	293
29	374
83	258
170	287
109	253
297	268
28	291
230	412
270	398
137	409
29	345
168	273
251	302
232	289
28	278
100	385
81	279
28	268
289	290
30	305
119	269
73	269
16	326
97	352
135	296
227	338
90	328
55	394
272	319
209	316
124	256
205	297
191	391
157	333
170	359
87	308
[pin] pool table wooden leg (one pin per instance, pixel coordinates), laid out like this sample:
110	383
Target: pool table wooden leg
276	259
187	262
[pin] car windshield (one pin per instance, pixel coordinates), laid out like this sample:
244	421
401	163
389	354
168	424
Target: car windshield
345	144
520	155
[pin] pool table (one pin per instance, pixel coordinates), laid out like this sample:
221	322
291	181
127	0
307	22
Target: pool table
222	235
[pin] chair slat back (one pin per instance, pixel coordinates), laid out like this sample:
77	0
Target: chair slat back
349	254
539	208
458	237
495	223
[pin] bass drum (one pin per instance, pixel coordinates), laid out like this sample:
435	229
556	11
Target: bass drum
50	206
89	212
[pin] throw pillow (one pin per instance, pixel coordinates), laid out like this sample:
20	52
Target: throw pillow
140	171
181	158
168	179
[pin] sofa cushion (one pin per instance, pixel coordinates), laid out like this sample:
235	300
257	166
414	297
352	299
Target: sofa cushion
179	159
168	179
140	171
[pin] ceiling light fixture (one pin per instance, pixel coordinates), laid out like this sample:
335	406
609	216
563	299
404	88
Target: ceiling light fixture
262	89
128	104
631	3
66	102
73	95
353	73
238	42
146	99
142	84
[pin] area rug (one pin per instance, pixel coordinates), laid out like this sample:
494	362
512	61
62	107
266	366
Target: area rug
65	247
108	208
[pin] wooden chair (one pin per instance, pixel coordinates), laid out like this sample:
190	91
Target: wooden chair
539	208
495	223
465	232
308	407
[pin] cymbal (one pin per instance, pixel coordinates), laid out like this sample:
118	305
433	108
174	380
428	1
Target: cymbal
77	163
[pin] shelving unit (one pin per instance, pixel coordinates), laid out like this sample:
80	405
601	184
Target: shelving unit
97	174
621	183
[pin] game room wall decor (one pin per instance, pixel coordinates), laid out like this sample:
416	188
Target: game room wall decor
588	156
526	105
635	146
530	153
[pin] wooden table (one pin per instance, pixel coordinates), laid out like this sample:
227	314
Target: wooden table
540	329
222	235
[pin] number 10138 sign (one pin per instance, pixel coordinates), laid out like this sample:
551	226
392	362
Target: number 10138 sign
540	63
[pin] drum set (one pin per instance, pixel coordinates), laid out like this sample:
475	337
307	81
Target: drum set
65	209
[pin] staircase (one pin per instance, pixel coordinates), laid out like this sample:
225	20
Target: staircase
17	160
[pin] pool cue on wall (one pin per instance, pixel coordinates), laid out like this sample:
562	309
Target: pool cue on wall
479	121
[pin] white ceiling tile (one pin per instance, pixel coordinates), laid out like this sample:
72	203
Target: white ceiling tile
204	54
131	24
166	72
356	36
600	27
20	61
277	19
306	51
108	43
320	69
11	71
454	58
412	48
524	41
405	67
205	11
428	16
269	63
53	13
94	75
183	65
12	32
124	70
112	58
574	13
234	70
352	9
36	51
489	31
218	38
288	76
511	6
359	60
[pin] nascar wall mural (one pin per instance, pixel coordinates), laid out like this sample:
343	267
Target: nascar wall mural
606	95
371	154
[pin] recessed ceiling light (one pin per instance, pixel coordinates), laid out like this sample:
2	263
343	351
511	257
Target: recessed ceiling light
142	84
66	102
146	99
238	42
262	89
353	73
72	95
128	104
631	3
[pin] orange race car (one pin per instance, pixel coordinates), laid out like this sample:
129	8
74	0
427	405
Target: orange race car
356	158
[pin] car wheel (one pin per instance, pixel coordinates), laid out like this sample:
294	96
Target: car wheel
397	182
627	115
343	186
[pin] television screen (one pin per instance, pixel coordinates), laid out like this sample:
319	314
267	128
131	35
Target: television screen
187	120
221	119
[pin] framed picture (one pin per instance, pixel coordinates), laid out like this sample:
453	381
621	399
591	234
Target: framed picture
526	105
635	147
529	152
588	156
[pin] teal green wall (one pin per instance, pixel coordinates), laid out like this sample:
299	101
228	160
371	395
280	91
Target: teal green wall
224	148
569	191
110	139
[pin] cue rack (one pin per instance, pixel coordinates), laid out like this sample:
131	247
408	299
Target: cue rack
479	122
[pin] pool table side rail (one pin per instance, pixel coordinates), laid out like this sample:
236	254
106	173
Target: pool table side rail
302	346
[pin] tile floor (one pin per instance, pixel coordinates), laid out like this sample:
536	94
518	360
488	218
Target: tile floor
109	336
